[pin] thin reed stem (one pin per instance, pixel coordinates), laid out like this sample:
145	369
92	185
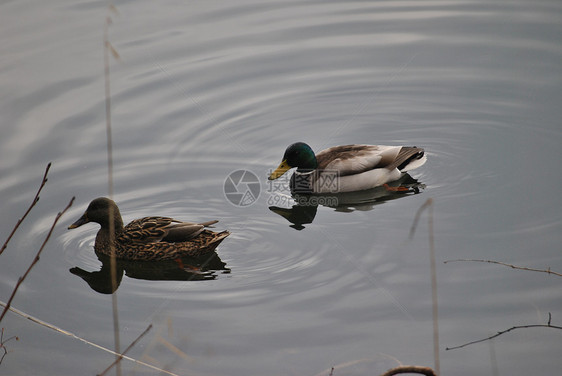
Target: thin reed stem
113	265
435	312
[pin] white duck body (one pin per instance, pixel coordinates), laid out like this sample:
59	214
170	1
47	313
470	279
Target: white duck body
351	168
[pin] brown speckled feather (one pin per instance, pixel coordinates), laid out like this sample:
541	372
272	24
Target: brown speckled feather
149	238
205	242
146	230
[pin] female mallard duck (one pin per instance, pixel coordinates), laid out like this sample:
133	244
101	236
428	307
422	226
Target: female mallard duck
347	168
149	238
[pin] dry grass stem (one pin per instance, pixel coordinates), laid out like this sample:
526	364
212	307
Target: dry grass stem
108	48
548	271
35	199
35	260
120	357
72	335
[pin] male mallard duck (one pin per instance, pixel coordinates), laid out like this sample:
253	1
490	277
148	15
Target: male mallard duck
347	168
149	238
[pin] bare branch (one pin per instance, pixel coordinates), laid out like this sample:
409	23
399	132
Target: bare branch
120	357
2	344
410	369
35	260
548	271
35	199
547	325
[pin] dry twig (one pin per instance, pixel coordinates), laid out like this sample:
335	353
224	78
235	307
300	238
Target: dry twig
548	271
547	325
35	199
2	344
35	260
410	369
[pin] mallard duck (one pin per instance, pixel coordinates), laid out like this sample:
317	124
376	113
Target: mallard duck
149	238
347	168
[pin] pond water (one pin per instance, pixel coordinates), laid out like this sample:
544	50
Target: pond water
202	89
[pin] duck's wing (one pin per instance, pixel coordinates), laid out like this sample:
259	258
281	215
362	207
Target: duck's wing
146	230
205	243
161	229
356	159
409	158
184	231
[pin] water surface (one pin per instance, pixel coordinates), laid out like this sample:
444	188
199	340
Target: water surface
203	89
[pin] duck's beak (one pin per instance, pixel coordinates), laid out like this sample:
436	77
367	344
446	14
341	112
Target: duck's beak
82	220
279	171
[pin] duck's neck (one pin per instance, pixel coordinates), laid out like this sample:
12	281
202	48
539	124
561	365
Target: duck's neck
307	165
109	227
117	223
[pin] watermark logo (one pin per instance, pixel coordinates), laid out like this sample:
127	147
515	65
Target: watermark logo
328	182
306	183
242	188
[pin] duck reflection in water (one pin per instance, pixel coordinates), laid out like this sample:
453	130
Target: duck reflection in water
201	268
306	205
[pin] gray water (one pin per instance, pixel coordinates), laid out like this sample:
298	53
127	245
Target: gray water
205	88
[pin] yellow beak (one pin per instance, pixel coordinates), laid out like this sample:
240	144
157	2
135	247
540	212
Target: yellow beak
279	171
